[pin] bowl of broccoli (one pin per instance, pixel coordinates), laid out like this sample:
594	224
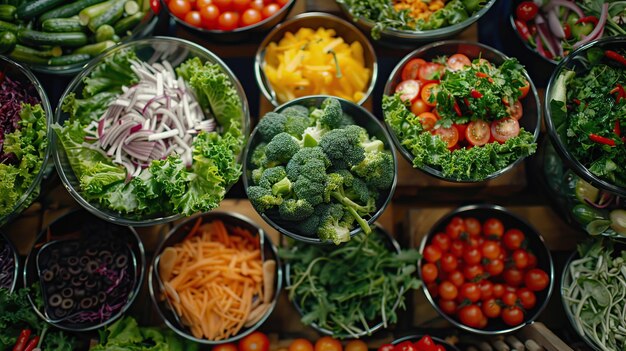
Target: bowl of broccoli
320	169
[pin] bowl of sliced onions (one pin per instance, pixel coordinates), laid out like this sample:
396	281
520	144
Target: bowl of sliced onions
150	131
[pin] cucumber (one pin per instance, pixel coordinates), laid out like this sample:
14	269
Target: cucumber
68	59
585	190
131	7
104	32
8	12
110	16
68	10
86	14
30	9
94	49
8	27
586	214
68	39
8	40
26	54
128	23
61	25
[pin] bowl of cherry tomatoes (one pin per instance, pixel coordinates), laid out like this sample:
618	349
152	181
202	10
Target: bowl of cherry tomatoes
418	343
228	20
486	270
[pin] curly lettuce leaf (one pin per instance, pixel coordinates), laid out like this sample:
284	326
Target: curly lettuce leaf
88	109
111	74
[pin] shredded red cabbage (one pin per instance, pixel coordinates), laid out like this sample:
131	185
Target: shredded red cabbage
12	95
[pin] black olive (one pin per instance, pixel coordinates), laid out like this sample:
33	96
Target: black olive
54	268
91	251
55	300
65	275
67	304
86	303
104	253
92	266
83	276
75	270
90	284
67	292
108	259
121	261
102	296
48	276
72	260
84	260
76	282
94	300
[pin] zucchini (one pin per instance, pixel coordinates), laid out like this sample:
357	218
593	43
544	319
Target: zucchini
68	10
30	9
104	32
110	16
8	12
68	59
128	23
61	25
8	27
8	40
68	39
94	49
85	15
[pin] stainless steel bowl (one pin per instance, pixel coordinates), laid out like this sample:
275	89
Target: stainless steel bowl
415	338
531	105
178	234
6	243
536	244
361	117
343	29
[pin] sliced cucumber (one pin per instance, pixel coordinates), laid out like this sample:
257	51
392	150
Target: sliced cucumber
598	226
585	190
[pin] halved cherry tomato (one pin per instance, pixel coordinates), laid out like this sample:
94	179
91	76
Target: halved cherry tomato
447	290
447	306
526	10
250	17
536	279
418	106
504	129
431	71
494	267
409	90
429	90
429	272
471	316
209	15
179	8
525	89
513	239
442	241
493	228
517	110
410	70
491	309
461	128
477	132
449	135
193	18
228	20
457	62
270	10
427	119
512	316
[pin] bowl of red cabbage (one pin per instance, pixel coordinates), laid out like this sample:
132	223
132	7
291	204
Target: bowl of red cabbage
84	272
150	131
25	118
9	264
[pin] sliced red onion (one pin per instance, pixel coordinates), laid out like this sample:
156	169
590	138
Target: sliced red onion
565	3
604	14
553	45
593	204
555	24
540	48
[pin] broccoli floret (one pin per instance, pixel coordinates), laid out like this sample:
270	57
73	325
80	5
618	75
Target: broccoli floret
330	227
282	187
334	182
377	169
258	155
262	199
358	191
295	210
346	120
335	188
271	125
309	226
311	191
329	115
348	178
281	148
273	175
297	120
296	166
257	173
342	148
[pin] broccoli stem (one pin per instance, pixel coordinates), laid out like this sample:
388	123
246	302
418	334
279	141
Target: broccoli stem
350	207
282	187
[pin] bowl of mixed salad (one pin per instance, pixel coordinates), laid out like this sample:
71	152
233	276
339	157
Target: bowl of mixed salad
151	131
554	28
461	111
9	264
25	119
407	22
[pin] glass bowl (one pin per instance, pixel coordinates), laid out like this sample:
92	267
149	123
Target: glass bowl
409	38
343	29
9	264
178	234
177	51
254	31
557	129
362	118
536	245
67	234
415	338
22	74
531	105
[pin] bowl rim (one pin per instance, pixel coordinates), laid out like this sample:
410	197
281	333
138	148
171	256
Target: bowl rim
395	246
259	57
357	229
16	260
498	212
427	168
71	87
135	290
284	11
572	162
422	34
418	336
47	109
212	215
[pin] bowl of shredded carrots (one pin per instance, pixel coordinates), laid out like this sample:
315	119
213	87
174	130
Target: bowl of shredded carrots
315	53
215	278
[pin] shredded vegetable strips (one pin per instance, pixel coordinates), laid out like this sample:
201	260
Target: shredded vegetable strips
150	120
216	280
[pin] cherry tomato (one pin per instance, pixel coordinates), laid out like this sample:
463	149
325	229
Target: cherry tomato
419	106
470	291
491	308
228	20
512	316
536	279
447	306
486	289
193	18
498	290
387	347
429	272
461	128
223	5
327	343
472	272
426	343
449	135
356	345
520	258
203	3
427	119
456	248
209	15
513	277
526	10
409	90
440	348
155	5
494	267
471	255
250	17
504	129
509	298
448	262
477	132
406	346
282	3
513	239
410	70
483	322
472	225
256	341
493	227
457	62
433	289
516	111
257	5
525	89
456	278
527	298
532	260
455	227
442	241
429	90
490	250
431	71
301	345
270	10
447	290
471	316
240	5
225	347
179	8
431	253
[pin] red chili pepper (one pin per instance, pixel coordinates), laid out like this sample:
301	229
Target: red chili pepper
32	344
621	94
588	19
601	140
481	75
476	94
20	344
576	101
615	56
522	29
567	30
457	109
467	103
616	129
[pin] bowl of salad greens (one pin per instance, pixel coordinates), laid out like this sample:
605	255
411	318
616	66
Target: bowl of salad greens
586	113
352	290
320	169
9	264
462	111
25	119
409	22
151	131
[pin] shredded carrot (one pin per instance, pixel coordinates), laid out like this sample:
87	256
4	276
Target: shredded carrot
216	279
